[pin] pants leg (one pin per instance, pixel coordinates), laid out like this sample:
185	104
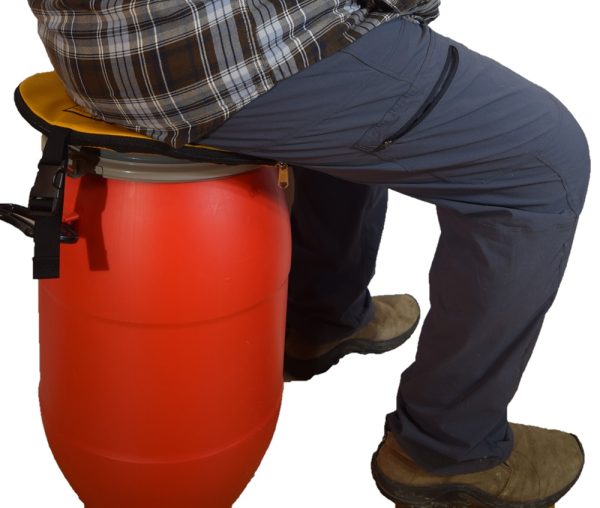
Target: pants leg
507	167
491	282
336	231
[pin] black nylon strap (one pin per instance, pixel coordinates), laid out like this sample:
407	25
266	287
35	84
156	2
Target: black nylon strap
46	199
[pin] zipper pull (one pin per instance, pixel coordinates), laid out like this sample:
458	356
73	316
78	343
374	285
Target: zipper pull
383	145
283	178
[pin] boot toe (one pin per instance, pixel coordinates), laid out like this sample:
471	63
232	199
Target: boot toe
543	465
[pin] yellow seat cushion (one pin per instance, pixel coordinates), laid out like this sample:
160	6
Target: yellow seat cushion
44	103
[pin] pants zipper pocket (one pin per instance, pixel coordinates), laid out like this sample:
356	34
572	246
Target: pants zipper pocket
434	97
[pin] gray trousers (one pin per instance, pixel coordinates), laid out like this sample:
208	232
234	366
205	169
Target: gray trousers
507	167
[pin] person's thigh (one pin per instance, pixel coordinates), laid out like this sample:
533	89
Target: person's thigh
397	101
322	110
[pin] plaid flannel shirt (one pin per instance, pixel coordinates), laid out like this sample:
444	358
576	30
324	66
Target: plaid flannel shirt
176	70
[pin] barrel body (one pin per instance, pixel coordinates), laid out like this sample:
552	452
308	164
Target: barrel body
162	341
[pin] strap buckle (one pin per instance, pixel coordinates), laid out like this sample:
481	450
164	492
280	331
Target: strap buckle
42	220
47	189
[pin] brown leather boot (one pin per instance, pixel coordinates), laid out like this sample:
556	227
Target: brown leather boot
543	465
394	320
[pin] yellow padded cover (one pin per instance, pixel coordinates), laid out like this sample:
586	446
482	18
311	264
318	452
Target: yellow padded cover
45	95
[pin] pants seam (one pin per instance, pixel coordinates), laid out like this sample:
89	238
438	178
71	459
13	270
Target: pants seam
562	181
389	75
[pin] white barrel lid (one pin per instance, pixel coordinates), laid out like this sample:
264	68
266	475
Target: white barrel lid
143	167
146	167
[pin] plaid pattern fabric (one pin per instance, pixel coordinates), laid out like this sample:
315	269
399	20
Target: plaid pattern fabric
175	70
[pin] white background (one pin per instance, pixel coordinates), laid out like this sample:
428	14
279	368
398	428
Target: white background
330	426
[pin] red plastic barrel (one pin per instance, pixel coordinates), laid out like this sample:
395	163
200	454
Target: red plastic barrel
162	341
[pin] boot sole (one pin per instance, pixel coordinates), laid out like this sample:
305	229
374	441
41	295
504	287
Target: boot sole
302	370
446	506
454	496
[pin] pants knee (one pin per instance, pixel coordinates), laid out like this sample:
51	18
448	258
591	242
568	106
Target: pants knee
568	155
